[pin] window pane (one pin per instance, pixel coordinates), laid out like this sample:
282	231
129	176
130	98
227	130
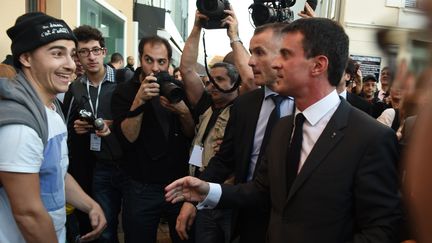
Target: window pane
411	3
111	26
179	12
32	6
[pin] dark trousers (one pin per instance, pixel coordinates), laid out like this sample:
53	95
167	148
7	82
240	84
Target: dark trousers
213	226
108	186
143	206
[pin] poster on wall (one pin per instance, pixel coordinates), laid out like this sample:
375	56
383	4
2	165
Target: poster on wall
369	65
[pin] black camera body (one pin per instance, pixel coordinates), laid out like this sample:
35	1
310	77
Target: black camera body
98	123
168	87
270	11
214	10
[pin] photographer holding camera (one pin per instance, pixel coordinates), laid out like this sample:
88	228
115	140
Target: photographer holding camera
95	153
211	111
155	132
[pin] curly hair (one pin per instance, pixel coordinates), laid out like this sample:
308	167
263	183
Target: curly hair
86	33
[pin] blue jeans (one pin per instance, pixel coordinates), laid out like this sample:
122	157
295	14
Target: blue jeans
213	226
108	186
143	206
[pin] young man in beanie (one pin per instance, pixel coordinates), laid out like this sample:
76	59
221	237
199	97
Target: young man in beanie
34	185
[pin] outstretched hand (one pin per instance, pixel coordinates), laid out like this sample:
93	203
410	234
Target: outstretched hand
188	188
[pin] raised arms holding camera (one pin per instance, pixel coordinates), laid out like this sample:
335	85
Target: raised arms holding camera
154	59
131	126
241	55
194	87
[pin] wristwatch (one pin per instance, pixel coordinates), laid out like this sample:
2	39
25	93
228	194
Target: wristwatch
237	39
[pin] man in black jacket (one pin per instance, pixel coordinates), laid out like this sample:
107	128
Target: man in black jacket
95	156
155	135
242	145
331	182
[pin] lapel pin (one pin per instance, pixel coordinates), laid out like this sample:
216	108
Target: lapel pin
333	135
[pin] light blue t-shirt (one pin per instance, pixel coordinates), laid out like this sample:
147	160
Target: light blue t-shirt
21	150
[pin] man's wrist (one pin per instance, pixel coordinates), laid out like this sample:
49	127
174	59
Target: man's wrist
236	39
137	111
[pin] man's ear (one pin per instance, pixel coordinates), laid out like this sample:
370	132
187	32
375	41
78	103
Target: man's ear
25	58
347	76
320	65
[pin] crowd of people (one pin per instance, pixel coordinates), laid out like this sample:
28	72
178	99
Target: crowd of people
284	142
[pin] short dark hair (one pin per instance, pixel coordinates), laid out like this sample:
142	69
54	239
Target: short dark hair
351	67
177	69
275	26
231	70
323	36
86	33
390	73
116	57
154	40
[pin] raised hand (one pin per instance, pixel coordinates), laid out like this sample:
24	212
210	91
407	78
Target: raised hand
308	12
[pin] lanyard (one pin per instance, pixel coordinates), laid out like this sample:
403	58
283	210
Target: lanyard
94	110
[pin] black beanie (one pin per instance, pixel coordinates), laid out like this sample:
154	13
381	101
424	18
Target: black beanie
32	30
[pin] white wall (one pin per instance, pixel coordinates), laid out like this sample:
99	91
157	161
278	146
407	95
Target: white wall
362	19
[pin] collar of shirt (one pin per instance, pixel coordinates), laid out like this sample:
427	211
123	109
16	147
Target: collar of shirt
343	94
315	112
381	94
109	75
268	92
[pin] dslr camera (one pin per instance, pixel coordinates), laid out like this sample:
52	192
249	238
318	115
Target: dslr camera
168	87
214	10
98	123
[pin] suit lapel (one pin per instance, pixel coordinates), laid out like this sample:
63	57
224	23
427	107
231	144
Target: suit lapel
252	114
328	139
285	143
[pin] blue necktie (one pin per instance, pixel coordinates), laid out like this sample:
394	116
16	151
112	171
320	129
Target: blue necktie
273	118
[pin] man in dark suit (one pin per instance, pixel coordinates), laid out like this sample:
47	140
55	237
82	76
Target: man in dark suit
334	182
244	134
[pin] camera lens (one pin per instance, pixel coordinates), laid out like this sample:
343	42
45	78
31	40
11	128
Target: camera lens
99	124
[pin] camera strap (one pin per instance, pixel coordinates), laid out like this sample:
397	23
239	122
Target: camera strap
237	82
94	109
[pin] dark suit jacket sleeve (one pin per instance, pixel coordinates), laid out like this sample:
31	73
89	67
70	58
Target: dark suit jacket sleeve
377	204
254	194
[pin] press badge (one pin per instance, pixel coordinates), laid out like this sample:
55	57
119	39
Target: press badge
95	142
196	156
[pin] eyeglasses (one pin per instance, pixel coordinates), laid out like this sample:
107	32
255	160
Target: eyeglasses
86	52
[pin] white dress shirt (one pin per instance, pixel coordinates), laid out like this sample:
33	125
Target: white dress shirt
387	117
343	94
381	95
317	116
286	108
